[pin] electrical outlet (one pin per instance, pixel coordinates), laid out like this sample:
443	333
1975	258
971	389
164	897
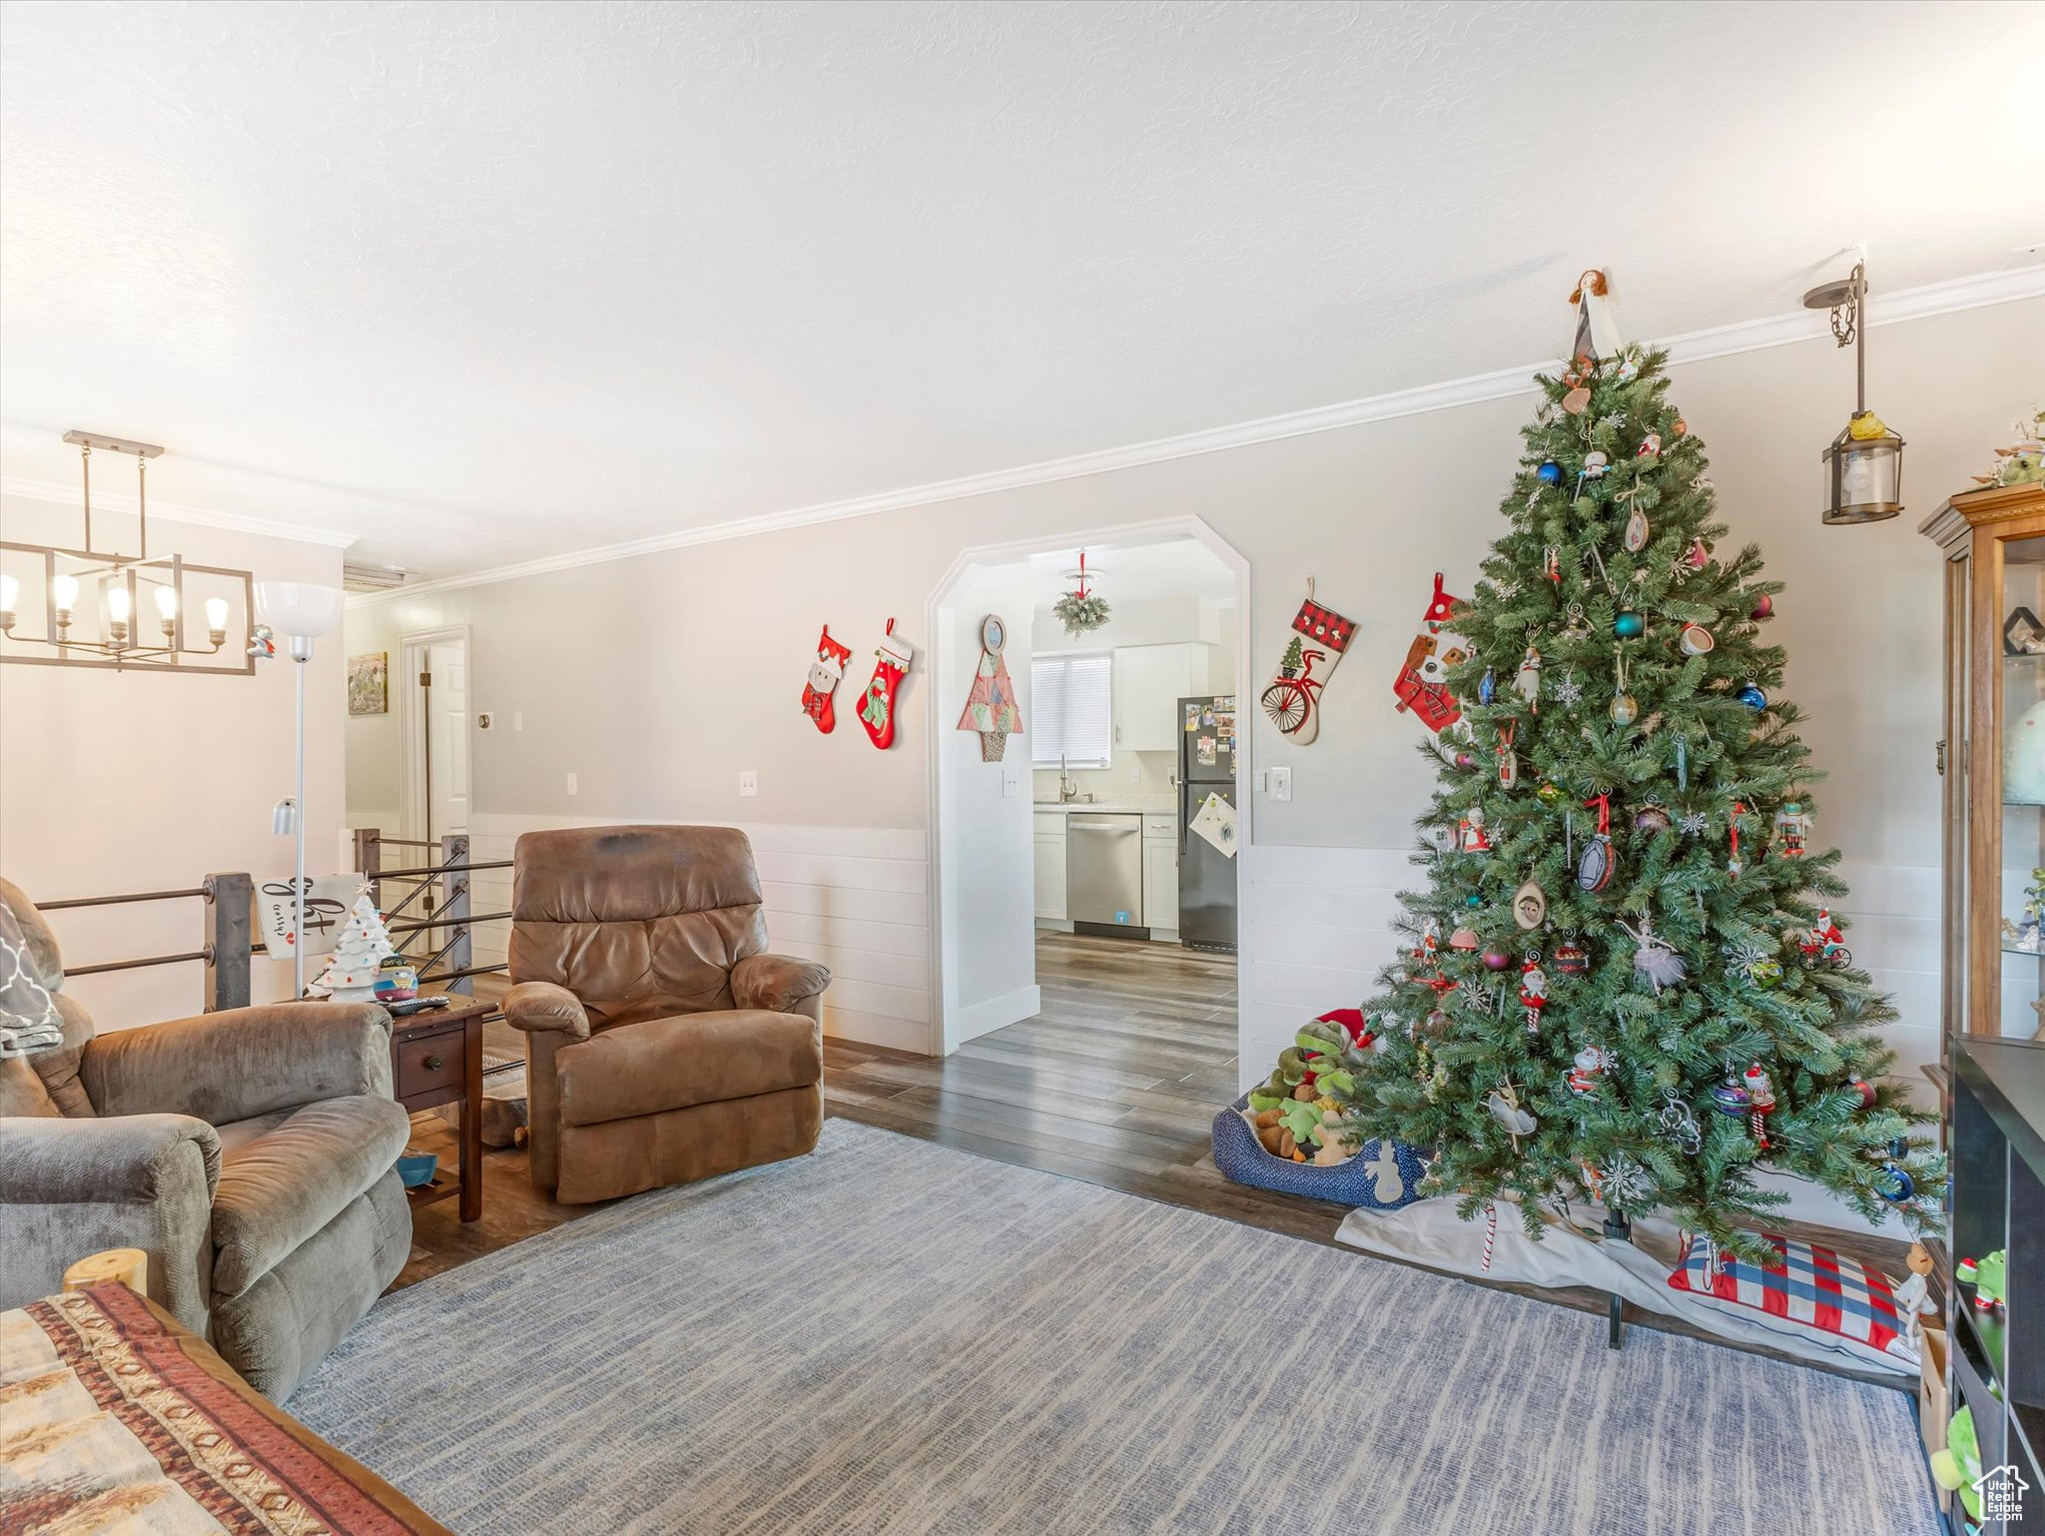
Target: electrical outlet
1011	781
748	781
1135	773
572	789
1281	783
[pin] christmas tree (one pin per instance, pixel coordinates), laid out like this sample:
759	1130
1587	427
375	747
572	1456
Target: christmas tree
360	949
1625	981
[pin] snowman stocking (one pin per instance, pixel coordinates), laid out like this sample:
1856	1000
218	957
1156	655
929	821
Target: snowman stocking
891	665
824	673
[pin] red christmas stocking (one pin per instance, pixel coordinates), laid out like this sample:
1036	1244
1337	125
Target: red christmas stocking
891	665
824	673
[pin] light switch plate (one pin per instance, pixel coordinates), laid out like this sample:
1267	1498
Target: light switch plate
518	720
572	789
1011	781
1281	783
748	781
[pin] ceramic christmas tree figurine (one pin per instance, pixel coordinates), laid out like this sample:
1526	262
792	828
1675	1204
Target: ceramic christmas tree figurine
1689	1029
360	949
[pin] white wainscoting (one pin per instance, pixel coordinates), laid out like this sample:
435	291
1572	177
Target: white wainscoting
1317	928
854	898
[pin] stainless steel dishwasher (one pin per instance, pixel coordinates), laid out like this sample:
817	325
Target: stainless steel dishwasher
1104	870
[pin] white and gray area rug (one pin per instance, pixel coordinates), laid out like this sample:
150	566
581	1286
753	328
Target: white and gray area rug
894	1337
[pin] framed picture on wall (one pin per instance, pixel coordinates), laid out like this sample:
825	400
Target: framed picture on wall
369	683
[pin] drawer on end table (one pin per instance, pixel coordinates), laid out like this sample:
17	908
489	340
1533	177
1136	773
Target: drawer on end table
429	1064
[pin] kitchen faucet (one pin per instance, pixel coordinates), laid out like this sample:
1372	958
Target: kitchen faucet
1068	789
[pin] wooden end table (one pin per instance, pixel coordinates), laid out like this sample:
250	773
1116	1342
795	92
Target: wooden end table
437	1058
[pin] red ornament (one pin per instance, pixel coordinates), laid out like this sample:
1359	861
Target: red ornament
1764	608
1865	1089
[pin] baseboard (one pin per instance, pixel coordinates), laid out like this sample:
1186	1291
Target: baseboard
994	1013
1054	925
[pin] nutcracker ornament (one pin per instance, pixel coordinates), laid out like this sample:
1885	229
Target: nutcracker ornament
824	675
1792	830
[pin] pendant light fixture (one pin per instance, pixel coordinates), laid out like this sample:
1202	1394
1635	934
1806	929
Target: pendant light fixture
1864	465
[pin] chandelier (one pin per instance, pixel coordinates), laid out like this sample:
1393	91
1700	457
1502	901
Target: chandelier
103	609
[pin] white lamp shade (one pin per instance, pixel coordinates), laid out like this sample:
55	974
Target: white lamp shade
300	609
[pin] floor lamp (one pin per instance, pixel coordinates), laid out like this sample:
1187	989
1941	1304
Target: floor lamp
301	612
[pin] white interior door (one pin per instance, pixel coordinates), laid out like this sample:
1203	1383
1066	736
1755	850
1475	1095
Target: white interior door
436	736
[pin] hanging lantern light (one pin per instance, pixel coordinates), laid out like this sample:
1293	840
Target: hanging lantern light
1864	465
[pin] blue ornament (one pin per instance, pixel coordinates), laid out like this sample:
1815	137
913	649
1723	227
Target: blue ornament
1752	697
1487	689
1549	473
1896	1185
1629	625
1730	1098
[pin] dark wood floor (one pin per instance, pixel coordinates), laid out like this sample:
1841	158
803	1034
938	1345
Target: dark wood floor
1117	1082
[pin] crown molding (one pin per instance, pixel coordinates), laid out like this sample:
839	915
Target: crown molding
1906	304
59	494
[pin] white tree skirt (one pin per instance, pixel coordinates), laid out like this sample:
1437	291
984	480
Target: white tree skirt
1429	1233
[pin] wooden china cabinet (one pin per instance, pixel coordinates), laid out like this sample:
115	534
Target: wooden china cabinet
1993	763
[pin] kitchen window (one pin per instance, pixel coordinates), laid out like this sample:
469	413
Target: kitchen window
1069	699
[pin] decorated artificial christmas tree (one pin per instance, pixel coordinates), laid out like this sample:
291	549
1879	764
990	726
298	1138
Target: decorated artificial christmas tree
360	949
1625	983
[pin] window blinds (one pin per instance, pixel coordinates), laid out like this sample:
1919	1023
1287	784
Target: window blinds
1069	699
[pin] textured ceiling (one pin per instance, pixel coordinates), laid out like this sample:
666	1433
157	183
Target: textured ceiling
485	282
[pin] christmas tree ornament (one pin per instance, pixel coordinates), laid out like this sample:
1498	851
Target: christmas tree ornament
1504	1104
1682	763
1508	760
1422	683
1471	837
1765	972
1895	1185
1625	709
1681	428
1293	697
1698	556
990	705
1677	1122
1570	958
1578	399
1596	465
1651	818
1548	793
1597	867
1578	627
1473	900
1750	694
1530	906
1824	944
1549	473
1760	1100
1629	625
1655	958
1527	681
1764	607
892	660
1496	959
1863	1090
824	675
1487	687
1695	640
1650	446
1463	938
1730	1099
1591	1063
1792	830
1533	992
1635	538
360	949
1732	863
1551	564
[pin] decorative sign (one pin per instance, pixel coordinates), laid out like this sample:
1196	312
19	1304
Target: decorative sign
327	900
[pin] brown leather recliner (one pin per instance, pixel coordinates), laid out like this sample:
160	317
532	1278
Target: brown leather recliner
663	1044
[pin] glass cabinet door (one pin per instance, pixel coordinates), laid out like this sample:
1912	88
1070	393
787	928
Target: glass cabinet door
2020	865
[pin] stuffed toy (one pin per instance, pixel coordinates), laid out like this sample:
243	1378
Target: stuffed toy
1986	1276
1957	1468
1292	1112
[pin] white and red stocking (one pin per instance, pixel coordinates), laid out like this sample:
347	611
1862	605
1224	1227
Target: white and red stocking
890	666
1422	684
1318	639
824	673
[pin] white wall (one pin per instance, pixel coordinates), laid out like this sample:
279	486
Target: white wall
987	862
659	677
127	781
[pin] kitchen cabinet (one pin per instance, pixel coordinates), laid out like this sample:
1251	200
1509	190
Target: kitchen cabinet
1149	681
1050	864
1161	874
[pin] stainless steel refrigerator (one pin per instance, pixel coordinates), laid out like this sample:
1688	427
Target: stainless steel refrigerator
1207	876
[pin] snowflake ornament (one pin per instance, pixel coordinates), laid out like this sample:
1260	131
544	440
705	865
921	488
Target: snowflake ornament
1693	823
1569	692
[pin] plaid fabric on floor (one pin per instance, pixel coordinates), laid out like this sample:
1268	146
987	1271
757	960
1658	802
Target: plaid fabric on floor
1806	1284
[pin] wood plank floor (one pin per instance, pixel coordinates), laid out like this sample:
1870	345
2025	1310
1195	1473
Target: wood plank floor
1116	1082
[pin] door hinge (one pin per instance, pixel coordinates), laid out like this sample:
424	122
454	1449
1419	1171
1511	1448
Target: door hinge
1941	758
425	679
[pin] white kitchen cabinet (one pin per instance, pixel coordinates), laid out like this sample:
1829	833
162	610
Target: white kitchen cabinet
1050	865
1161	873
1149	681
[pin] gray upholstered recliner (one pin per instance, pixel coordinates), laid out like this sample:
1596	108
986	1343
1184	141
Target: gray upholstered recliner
250	1153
